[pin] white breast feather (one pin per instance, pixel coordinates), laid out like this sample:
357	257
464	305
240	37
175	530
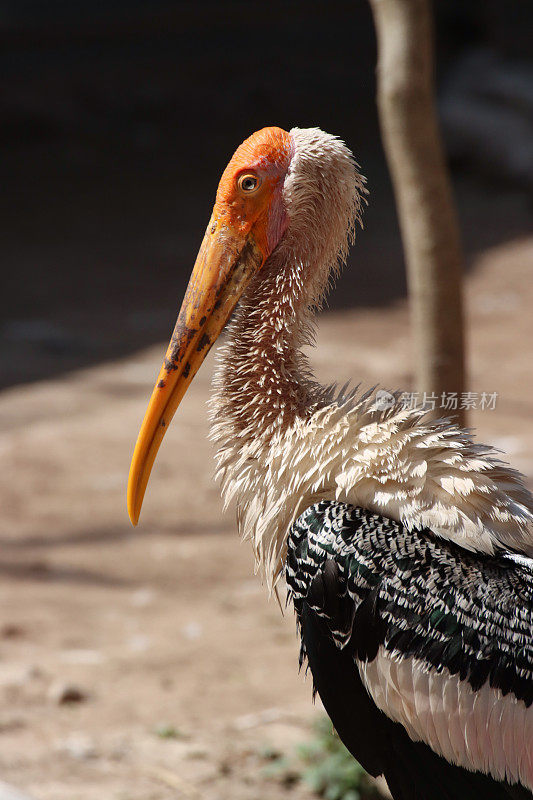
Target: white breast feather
417	471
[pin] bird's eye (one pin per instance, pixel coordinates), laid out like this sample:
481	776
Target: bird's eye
248	183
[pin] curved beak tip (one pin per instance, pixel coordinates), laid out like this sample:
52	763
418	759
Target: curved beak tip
133	512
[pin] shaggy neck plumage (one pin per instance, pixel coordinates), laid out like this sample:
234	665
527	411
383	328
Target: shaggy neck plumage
263	382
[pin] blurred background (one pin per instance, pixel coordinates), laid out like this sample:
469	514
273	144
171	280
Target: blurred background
148	663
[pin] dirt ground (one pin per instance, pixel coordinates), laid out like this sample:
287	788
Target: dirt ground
165	626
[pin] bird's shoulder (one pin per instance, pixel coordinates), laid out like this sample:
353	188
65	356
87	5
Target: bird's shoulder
427	473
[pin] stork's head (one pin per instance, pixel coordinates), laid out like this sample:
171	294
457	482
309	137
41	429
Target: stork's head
299	191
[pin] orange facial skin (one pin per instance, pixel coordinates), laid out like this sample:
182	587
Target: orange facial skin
267	153
247	223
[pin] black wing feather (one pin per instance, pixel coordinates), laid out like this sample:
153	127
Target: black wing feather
359	581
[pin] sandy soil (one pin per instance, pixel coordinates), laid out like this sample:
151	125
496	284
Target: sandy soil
165	625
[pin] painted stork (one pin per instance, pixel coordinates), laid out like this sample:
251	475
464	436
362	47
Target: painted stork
405	546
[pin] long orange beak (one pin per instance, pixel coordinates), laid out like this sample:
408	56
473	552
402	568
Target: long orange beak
226	262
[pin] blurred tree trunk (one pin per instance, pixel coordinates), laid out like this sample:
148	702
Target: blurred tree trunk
428	222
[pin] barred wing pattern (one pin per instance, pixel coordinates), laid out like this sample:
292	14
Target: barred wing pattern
441	638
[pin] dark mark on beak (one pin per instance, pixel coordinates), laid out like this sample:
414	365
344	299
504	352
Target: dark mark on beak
161	384
178	348
204	341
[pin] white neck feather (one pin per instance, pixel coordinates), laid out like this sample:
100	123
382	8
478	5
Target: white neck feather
263	382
